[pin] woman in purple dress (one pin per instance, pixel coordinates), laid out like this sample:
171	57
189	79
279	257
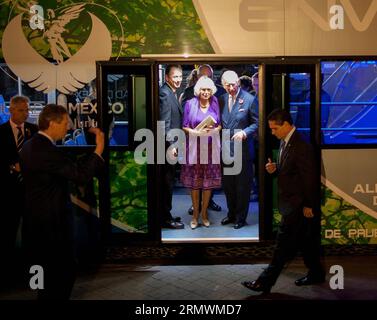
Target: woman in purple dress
202	171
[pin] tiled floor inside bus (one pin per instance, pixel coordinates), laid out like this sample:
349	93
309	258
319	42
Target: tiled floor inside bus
216	231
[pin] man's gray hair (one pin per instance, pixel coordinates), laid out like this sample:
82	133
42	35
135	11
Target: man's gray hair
18	99
229	77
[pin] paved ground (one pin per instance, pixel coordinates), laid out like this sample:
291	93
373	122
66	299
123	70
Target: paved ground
214	282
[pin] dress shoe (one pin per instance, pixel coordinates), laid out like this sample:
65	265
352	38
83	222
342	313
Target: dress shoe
227	220
193	224
176	219
206	223
239	225
213	206
257	286
191	210
171	224
308	280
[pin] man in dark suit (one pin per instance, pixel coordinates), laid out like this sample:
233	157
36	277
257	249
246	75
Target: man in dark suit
298	203
13	134
48	222
171	113
237	113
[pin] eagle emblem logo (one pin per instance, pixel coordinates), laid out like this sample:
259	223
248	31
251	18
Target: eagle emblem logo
68	75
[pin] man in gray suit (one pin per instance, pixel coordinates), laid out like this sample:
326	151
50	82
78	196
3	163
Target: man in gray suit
171	112
237	113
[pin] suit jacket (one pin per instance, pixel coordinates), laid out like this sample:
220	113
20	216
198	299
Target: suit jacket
297	177
47	171
9	152
170	110
241	117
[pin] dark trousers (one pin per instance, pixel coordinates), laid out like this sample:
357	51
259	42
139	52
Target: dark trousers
255	180
13	204
168	178
59	278
296	233
200	199
8	230
237	191
59	270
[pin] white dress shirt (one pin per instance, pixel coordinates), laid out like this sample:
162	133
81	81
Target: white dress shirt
15	129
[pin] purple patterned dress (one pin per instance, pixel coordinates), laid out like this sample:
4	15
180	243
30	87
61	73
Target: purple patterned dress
202	170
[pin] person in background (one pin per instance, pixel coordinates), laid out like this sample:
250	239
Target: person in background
198	176
298	202
48	219
255	84
191	80
188	93
91	98
4	117
245	83
13	135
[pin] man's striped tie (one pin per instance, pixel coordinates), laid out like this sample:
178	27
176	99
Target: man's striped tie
20	142
20	139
